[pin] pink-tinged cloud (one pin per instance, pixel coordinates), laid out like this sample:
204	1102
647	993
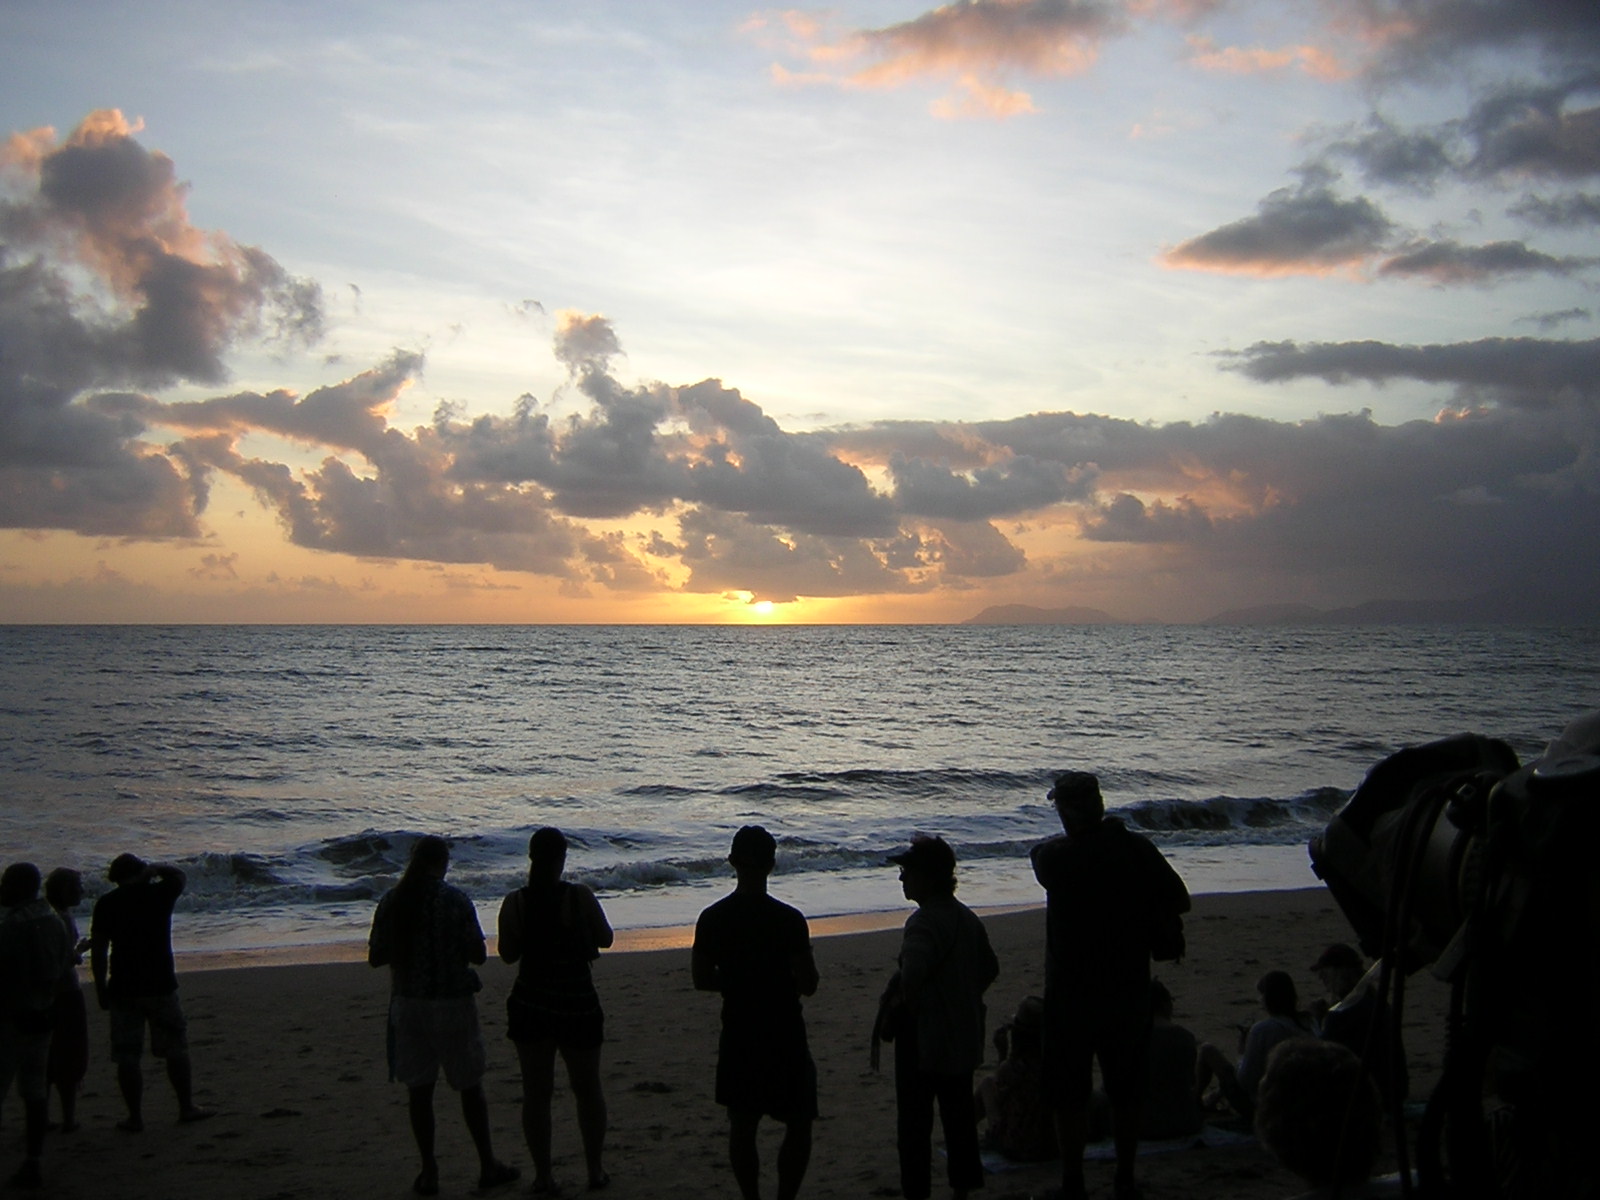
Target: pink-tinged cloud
974	44
1316	61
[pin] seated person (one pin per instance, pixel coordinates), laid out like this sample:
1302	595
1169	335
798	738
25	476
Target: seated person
1239	1081
1171	1108
1318	1114
1011	1100
1357	1019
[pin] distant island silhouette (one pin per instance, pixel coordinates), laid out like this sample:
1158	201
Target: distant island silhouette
1505	607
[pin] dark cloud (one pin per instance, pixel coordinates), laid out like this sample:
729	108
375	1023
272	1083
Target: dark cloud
1575	211
1554	320
1449	262
1413	159
1531	132
1521	372
1308	229
105	284
1126	518
931	489
1421	36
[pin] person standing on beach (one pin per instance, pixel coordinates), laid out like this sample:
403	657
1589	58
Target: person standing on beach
130	954
1111	899
554	930
756	951
34	950
946	965
69	1036
427	933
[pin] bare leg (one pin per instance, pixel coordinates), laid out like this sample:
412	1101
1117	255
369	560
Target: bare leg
583	1073
1072	1131
180	1075
794	1155
743	1156
475	1108
1125	1134
69	1107
420	1103
130	1079
538	1060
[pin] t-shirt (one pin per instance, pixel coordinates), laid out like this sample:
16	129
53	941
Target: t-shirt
429	949
34	952
1259	1043
1104	890
136	919
751	940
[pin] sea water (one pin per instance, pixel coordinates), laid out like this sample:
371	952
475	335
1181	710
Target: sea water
287	770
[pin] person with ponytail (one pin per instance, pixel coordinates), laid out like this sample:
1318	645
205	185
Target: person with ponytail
427	933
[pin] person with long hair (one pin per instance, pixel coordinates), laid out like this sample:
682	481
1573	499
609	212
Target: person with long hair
427	933
69	1038
552	930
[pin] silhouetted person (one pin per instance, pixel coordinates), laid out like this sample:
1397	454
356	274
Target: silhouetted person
427	933
1318	1113
69	1034
756	951
1019	1124
34	950
1110	897
554	930
1171	1109
130	952
1357	1019
946	964
1240	1081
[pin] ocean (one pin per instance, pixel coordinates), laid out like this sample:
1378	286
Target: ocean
287	770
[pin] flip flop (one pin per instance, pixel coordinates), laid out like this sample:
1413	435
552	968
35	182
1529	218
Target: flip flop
599	1181
426	1183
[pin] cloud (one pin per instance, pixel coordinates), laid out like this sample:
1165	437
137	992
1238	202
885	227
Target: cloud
1316	61
1449	262
1574	211
1295	231
105	284
642	487
1518	372
976	44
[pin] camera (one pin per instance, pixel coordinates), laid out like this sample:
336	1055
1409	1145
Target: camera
1455	856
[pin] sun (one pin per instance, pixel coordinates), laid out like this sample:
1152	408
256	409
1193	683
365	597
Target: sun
762	608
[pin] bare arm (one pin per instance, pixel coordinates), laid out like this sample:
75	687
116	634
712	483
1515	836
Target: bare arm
98	948
510	927
599	928
803	966
703	970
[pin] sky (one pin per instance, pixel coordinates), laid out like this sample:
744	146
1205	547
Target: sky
638	311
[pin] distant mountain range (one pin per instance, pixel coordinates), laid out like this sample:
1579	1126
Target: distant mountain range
1505	607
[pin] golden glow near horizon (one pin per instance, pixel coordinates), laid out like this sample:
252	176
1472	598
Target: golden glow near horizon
615	359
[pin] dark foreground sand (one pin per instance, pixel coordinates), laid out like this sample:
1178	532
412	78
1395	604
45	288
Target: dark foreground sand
291	1059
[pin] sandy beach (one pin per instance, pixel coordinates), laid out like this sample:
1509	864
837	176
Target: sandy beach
291	1060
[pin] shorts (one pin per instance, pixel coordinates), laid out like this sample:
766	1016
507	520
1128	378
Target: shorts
169	1032
571	1022
23	1055
428	1035
770	1077
1072	1043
